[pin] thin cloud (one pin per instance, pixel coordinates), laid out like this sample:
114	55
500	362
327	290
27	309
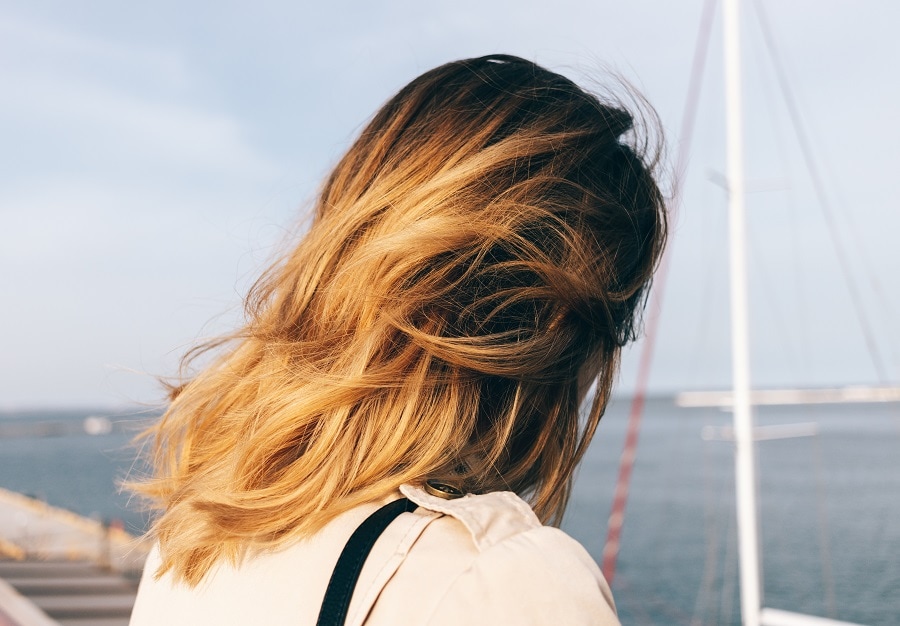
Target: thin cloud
33	43
176	135
59	76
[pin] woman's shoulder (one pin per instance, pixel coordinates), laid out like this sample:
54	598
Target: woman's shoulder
479	559
488	559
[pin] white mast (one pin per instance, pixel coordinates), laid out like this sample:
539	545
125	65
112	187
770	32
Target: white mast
745	462
752	612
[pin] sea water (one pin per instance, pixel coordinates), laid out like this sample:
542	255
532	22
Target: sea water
829	505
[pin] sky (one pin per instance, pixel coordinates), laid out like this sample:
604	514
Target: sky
153	156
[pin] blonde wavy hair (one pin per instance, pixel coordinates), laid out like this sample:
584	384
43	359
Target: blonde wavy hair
478	254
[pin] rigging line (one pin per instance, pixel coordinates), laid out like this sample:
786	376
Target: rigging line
889	312
770	295
824	534
711	524
707	301
800	331
730	567
812	167
626	463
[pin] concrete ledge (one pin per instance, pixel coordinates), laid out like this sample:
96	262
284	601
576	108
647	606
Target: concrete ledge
20	610
31	529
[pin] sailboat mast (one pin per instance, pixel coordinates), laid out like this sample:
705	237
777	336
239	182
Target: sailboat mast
745	462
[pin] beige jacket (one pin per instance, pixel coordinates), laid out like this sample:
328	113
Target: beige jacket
482	559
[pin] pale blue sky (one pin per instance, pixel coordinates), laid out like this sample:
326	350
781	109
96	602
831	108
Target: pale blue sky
152	154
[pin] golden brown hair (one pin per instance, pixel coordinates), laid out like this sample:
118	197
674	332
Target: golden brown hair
483	245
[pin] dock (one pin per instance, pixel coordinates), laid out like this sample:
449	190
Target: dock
58	568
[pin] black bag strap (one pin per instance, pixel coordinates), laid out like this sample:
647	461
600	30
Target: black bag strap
350	563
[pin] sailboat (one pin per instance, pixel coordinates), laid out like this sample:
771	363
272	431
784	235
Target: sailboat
743	433
753	613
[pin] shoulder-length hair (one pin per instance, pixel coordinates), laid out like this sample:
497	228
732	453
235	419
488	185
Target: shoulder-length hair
481	249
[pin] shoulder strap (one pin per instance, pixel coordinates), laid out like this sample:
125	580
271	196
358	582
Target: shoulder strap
350	563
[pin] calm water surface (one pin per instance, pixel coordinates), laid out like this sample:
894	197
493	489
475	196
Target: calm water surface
829	506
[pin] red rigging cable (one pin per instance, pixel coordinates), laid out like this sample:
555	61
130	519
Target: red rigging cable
617	513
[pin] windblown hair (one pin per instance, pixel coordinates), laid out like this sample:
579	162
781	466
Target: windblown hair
482	248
